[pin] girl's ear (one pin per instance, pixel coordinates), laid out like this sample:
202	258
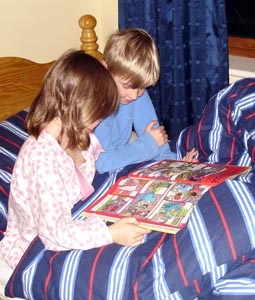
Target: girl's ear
104	64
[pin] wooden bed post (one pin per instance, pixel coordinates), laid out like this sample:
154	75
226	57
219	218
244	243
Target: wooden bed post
88	37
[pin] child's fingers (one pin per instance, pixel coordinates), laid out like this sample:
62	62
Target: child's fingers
193	150
190	156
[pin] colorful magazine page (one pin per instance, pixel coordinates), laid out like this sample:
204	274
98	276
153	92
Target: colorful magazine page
160	205
189	172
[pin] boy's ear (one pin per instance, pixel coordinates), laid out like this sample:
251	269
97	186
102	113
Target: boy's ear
104	64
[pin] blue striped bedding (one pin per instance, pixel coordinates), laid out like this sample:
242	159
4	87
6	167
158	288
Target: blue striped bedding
213	257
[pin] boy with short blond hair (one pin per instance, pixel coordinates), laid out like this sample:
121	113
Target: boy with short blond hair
132	58
132	55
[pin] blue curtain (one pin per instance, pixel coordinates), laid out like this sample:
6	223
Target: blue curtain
191	36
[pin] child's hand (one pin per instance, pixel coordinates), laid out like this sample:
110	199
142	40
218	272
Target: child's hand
127	232
159	134
190	156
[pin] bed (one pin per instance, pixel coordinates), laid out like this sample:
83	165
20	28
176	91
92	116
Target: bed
213	257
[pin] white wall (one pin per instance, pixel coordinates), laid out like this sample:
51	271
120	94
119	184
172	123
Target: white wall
41	30
241	67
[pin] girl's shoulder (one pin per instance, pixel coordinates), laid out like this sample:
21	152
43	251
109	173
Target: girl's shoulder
44	144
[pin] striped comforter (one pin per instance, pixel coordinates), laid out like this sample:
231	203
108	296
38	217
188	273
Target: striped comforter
213	257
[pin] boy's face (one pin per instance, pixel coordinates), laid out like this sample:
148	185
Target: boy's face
127	94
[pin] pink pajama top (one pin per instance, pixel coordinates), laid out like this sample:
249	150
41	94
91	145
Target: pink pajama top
45	186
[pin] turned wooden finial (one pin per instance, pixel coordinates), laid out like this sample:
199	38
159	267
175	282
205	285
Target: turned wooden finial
88	37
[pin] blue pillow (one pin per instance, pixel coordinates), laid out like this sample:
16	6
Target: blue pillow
12	136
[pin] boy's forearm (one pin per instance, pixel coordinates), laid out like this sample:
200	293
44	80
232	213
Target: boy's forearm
143	148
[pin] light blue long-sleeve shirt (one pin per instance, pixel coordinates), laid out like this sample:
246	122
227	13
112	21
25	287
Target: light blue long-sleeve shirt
114	133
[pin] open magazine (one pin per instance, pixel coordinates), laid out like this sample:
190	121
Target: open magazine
161	195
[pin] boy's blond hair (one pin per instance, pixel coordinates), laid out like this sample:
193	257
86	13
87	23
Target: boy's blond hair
132	55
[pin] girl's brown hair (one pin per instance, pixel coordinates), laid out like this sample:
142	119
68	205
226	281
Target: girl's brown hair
80	91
